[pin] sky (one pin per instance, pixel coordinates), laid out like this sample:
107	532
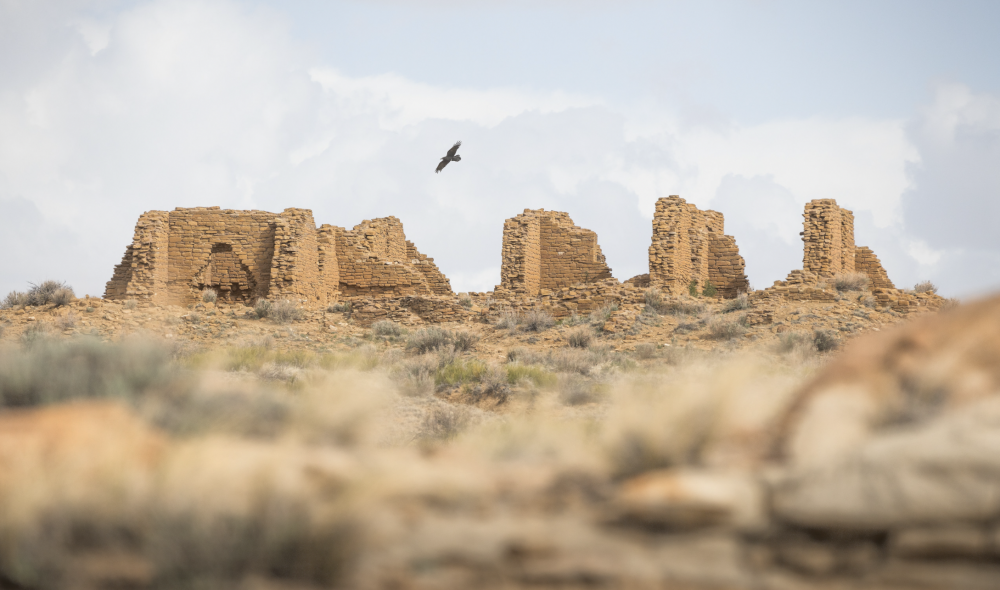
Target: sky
110	108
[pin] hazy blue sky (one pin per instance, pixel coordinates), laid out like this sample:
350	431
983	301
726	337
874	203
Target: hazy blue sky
109	109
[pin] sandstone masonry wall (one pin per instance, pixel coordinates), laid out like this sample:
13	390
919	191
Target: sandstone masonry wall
865	261
249	255
376	260
689	245
828	239
545	250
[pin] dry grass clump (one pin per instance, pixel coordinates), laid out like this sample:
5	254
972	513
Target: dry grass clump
131	304
518	373
464	341
465	300
739	303
580	337
386	328
493	385
727	329
869	301
851	281
262	308
209	295
507	320
925	287
600	316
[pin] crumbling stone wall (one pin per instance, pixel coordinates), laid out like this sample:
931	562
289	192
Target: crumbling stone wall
828	238
690	245
865	261
376	260
249	255
545	250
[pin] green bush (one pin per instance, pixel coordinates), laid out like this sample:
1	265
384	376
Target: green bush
693	288
516	373
709	290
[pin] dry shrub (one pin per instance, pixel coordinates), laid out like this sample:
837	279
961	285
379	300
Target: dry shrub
262	308
465	300
575	390
131	304
826	340
507	320
526	356
66	322
600	316
45	293
14	299
518	373
428	339
572	360
798	342
727	329
387	328
851	281
740	303
416	376
342	307
444	422
61	297
87	368
925	287
536	320
209	295
493	385
869	301
464	341
645	350
580	337
285	311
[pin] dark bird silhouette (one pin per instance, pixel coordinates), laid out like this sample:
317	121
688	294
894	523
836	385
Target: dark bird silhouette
451	157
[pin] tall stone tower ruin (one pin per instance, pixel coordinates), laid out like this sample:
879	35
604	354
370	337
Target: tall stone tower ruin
689	245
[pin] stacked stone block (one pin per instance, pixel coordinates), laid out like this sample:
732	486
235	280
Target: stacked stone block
690	245
521	257
545	250
865	261
376	260
828	238
249	255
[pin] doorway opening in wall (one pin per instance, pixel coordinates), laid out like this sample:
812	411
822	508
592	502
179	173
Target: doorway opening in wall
226	274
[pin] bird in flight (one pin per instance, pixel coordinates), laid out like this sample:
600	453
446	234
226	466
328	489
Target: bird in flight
451	157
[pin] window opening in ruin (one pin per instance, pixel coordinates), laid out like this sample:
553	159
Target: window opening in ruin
226	274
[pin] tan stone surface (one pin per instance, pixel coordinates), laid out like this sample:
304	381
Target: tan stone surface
689	245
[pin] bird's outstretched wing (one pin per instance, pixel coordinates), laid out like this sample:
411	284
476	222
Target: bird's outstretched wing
441	165
454	148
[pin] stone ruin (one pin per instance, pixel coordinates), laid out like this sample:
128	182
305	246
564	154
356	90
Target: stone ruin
829	250
250	255
544	251
547	261
690	248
